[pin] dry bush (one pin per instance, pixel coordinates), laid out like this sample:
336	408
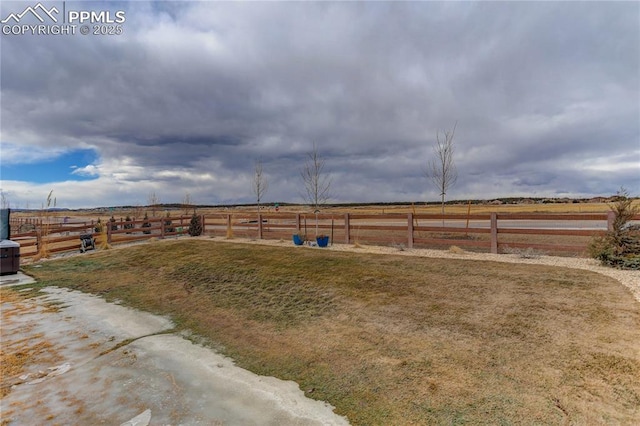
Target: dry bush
103	240
456	250
45	216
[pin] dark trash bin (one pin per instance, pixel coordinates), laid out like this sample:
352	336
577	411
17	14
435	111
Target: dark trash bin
9	257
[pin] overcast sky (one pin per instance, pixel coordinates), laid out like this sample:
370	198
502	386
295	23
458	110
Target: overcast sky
546	96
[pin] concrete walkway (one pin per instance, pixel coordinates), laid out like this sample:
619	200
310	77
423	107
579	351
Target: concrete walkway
101	363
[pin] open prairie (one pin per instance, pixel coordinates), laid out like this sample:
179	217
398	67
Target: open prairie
419	208
391	339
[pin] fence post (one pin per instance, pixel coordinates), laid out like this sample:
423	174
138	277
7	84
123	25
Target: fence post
202	222
410	230
108	225
162	228
259	226
611	216
494	233
347	224
298	223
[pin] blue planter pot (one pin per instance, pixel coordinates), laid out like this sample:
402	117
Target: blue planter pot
298	240
322	241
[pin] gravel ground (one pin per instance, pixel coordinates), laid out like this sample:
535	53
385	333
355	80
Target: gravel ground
630	279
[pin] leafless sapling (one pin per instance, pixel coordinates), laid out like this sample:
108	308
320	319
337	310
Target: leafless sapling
260	183
441	170
317	184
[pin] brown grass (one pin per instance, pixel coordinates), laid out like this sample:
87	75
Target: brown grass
394	340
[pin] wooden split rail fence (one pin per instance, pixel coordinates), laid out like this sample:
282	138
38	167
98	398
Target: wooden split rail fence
65	237
487	232
492	232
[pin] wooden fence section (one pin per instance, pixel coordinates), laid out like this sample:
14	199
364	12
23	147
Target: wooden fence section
123	231
491	232
24	225
567	239
487	232
55	235
64	237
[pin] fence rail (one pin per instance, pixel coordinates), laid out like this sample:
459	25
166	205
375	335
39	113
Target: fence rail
493	232
65	237
490	232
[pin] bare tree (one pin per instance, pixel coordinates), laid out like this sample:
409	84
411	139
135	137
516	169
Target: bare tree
260	183
441	170
187	204
317	184
154	203
138	211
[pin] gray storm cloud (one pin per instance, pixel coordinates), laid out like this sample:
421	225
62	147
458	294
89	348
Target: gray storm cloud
545	94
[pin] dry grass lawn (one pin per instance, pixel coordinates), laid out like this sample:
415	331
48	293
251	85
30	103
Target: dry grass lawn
393	340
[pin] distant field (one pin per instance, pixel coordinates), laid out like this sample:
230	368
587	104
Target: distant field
487	208
390	339
372	209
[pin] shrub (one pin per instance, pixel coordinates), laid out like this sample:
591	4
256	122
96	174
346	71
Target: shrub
195	227
128	223
620	246
167	224
146	224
